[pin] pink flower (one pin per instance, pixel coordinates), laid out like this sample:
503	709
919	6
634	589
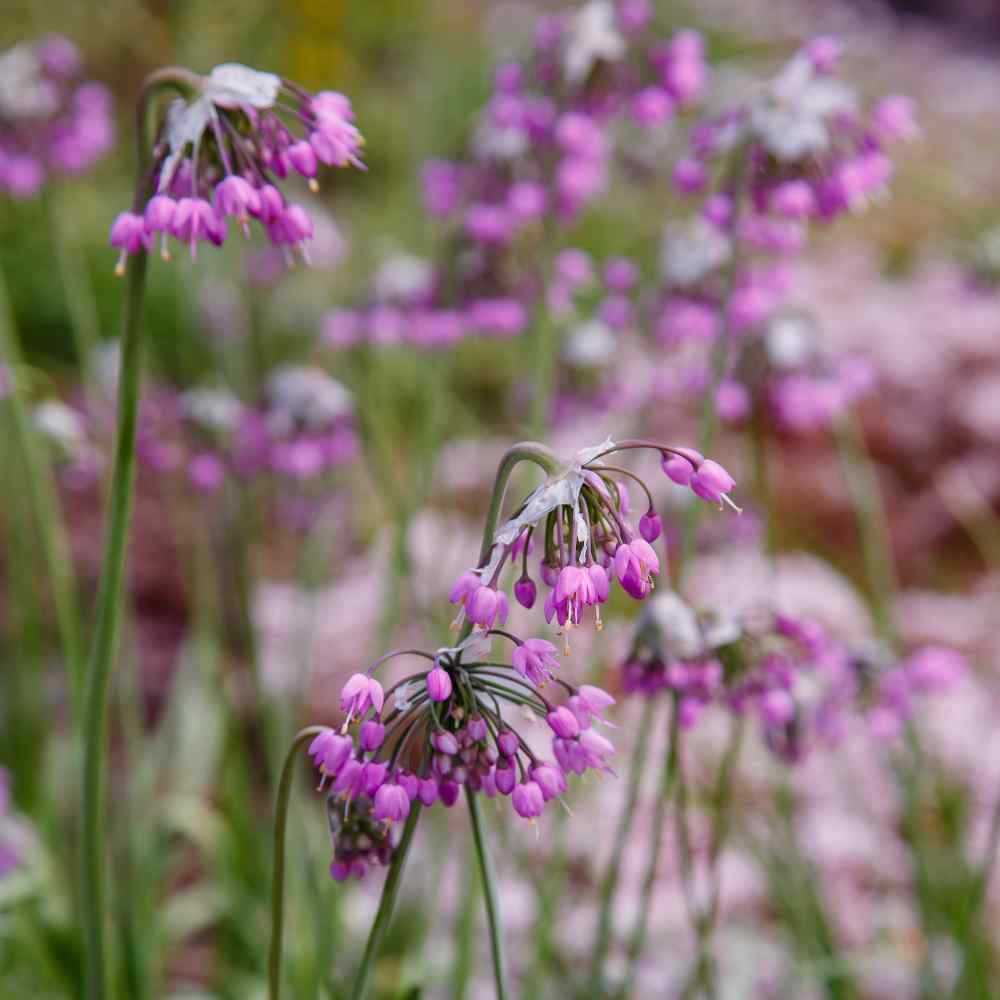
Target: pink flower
590	701
528	800
487	607
711	482
391	803
550	780
128	234
330	751
360	693
635	565
563	723
536	660
439	684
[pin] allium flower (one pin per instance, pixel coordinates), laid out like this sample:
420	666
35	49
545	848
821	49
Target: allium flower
51	122
438	685
798	681
456	723
581	518
222	154
360	694
535	659
545	146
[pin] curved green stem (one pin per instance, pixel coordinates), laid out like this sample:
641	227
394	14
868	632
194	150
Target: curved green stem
109	597
488	877
386	904
609	883
302	737
525	451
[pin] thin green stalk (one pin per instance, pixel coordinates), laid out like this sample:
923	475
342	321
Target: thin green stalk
278	876
546	347
602	939
873	524
386	904
549	890
704	975
465	933
109	600
525	451
488	877
720	359
668	776
44	495
109	597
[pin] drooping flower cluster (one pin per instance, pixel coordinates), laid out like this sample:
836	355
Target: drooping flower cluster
546	138
51	121
222	154
800	682
798	148
542	152
808	148
444	729
579	523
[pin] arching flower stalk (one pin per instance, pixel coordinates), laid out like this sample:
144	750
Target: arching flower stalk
582	526
223	137
448	727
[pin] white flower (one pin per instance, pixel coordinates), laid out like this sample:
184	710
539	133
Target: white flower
306	395
792	118
231	85
24	91
593	36
61	425
216	410
789	340
590	345
674	623
403	276
691	251
499	142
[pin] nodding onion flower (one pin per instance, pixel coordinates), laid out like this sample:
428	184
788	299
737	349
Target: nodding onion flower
580	523
437	731
800	682
223	153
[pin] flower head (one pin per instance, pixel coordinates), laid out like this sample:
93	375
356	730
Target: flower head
222	154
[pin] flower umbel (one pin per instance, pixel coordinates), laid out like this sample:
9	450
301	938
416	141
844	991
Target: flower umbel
454	732
579	521
222	154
